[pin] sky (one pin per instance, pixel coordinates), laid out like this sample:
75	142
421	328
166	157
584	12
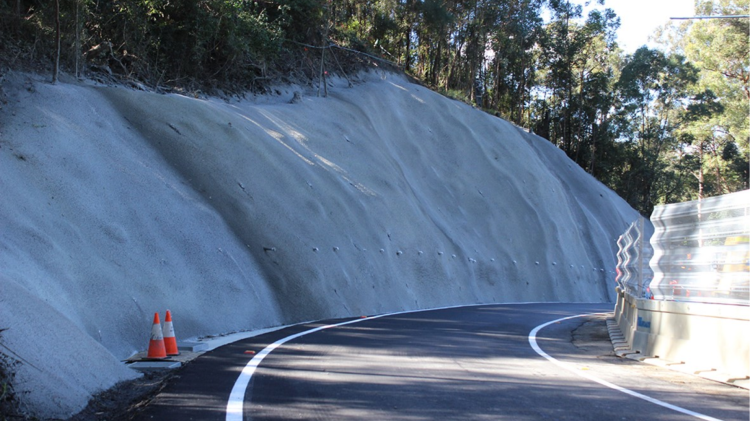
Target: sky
639	18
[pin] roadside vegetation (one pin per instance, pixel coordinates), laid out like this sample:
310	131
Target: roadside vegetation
9	405
657	126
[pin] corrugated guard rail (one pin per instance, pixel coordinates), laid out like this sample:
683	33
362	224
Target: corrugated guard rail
699	313
634	274
702	250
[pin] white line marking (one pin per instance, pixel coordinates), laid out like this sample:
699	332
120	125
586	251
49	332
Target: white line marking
236	402
533	343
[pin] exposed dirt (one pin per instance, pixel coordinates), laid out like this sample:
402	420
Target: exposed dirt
592	337
124	401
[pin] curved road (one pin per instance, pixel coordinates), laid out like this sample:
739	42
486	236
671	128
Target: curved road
467	363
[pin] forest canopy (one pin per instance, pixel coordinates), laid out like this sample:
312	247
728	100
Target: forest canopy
657	126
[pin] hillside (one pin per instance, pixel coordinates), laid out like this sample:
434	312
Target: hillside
244	214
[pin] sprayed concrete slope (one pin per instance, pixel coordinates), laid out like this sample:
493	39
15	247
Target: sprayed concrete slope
241	215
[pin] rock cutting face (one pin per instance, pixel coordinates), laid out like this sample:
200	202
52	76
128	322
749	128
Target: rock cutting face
243	215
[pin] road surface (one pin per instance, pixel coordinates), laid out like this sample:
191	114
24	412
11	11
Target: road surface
468	363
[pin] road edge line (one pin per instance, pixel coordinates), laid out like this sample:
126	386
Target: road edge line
236	402
568	367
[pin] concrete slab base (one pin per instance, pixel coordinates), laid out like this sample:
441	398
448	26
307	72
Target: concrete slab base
192	346
183	357
155	365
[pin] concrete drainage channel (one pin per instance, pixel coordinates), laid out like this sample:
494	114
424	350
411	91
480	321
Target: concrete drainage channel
623	350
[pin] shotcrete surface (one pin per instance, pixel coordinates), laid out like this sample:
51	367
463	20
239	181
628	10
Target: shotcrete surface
246	214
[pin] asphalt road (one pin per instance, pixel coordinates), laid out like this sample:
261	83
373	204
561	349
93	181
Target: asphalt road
469	363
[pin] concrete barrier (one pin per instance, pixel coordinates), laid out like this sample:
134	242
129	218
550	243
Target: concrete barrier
709	336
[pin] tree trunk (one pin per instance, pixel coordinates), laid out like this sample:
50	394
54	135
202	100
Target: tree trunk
437	63
521	98
700	171
594	133
56	69
579	142
496	87
407	59
78	39
567	130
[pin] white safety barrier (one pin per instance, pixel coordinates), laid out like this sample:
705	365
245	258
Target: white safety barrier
634	274
702	250
696	309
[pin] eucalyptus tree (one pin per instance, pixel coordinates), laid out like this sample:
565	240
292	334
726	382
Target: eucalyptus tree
558	51
512	71
653	92
718	147
577	62
720	49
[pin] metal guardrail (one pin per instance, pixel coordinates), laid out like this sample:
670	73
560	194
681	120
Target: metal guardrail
699	252
702	250
634	275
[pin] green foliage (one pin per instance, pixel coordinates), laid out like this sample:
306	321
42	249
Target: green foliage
717	118
657	126
578	67
9	405
198	42
652	90
304	19
224	40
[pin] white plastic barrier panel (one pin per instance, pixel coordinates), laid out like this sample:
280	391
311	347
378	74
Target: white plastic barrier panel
634	252
702	250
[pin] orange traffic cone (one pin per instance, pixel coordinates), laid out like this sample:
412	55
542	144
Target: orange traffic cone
156	345
170	342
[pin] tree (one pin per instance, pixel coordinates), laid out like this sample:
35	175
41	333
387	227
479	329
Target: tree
653	90
515	61
578	59
719	48
56	68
